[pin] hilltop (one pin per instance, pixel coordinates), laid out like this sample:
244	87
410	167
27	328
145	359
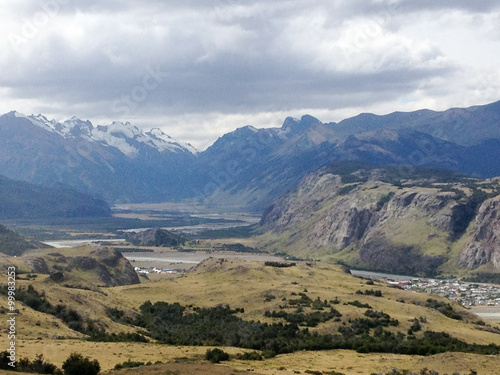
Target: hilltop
272	294
82	268
399	219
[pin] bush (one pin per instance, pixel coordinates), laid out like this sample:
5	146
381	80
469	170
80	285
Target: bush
415	327
356	303
76	364
383	200
250	356
128	364
38	365
279	264
370	292
444	308
216	355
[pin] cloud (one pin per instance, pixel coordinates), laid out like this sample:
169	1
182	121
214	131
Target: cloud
218	63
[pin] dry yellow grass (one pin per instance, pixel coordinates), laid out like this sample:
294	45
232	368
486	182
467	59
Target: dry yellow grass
110	354
183	369
352	363
246	284
344	361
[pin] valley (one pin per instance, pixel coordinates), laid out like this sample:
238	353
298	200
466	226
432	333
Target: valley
244	251
211	275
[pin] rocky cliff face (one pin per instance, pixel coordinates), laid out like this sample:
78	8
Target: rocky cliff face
484	247
384	220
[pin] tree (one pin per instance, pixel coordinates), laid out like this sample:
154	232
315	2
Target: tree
216	355
76	364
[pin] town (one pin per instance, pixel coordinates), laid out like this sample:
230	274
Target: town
465	293
148	270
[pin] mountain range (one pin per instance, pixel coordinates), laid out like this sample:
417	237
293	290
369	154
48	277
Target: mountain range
248	167
118	162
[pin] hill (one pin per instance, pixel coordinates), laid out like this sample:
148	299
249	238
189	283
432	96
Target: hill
12	243
86	268
23	200
398	219
272	295
154	237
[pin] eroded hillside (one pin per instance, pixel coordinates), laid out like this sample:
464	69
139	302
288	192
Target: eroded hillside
397	219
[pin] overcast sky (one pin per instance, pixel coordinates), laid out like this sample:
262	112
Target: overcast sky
199	69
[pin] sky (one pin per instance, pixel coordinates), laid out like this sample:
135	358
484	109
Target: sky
199	69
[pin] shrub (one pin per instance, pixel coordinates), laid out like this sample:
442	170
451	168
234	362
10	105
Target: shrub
128	364
356	303
250	356
415	327
216	355
76	364
444	308
279	264
383	200
38	365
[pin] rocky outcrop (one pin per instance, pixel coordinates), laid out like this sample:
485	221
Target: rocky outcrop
155	237
398	259
101	266
109	265
38	265
392	222
484	247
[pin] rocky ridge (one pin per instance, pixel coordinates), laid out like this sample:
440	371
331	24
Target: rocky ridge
95	266
376	218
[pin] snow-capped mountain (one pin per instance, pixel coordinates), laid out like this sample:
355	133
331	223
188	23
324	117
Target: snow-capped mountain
125	137
118	162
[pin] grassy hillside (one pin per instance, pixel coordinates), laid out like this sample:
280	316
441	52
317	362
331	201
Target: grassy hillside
257	289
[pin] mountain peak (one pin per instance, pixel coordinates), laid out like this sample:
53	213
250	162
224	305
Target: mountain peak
308	120
293	126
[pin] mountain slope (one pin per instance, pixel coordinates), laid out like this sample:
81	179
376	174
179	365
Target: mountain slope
395	219
19	199
12	243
